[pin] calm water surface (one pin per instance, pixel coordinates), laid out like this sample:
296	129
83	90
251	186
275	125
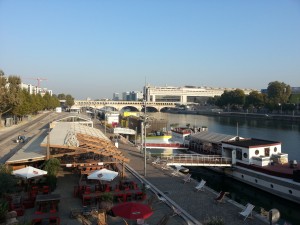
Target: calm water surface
285	132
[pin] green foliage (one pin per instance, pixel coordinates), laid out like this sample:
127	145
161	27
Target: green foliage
52	166
8	181
5	169
107	197
69	100
3	210
279	92
9	94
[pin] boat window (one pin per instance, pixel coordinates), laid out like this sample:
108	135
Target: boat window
267	151
275	149
255	180
256	152
245	155
271	185
238	154
290	191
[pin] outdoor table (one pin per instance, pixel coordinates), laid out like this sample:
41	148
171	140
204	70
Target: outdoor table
47	198
48	201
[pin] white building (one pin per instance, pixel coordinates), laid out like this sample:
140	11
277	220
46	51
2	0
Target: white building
186	94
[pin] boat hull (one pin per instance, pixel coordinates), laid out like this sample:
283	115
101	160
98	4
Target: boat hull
281	187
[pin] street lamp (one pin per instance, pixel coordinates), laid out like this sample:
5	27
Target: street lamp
145	147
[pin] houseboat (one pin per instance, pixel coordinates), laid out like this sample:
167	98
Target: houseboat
261	164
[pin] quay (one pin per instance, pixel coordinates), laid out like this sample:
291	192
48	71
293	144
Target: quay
199	205
195	207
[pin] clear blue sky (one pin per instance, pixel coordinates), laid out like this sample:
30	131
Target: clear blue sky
92	48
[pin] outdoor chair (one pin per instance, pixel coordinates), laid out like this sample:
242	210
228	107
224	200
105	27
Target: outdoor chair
221	196
247	212
150	201
164	220
175	212
175	172
141	222
165	166
187	178
160	198
200	186
156	161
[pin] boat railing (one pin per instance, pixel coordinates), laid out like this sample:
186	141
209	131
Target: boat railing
197	159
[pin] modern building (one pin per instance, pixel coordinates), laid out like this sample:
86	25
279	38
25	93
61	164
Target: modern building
186	94
35	89
116	96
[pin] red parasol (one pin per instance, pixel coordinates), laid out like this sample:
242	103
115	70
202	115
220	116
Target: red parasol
132	210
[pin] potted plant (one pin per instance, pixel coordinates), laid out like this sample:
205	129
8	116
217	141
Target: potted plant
52	167
3	210
106	201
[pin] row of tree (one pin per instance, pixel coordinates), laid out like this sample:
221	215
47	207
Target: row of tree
15	101
278	96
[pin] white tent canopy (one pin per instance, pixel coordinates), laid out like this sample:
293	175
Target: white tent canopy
103	174
29	172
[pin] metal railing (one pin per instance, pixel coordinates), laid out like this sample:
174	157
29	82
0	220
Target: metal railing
197	159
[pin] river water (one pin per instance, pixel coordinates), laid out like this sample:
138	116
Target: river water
285	132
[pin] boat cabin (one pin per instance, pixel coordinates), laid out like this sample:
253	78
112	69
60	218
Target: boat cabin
254	151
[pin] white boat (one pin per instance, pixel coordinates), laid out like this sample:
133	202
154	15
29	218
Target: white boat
259	163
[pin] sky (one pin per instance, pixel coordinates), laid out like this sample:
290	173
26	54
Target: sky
93	48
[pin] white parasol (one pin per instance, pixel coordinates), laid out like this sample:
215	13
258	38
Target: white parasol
29	172
103	174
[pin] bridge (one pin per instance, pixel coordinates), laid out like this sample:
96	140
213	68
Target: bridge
197	160
119	105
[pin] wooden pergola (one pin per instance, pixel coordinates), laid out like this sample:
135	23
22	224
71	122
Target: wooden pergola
87	144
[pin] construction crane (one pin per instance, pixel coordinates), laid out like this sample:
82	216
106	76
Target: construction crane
36	78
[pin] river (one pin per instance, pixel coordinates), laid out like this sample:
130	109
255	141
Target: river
285	132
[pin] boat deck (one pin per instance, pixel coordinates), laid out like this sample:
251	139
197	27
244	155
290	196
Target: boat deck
279	170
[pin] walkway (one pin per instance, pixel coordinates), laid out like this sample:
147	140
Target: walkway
200	205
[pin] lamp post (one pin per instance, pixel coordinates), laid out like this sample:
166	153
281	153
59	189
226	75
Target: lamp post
145	147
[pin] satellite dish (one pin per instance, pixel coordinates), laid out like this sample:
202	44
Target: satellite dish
274	215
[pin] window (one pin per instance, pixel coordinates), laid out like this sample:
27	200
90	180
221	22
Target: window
239	154
245	155
267	151
275	149
256	152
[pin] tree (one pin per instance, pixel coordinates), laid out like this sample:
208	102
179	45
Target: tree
9	93
25	106
61	96
234	98
69	101
278	92
254	99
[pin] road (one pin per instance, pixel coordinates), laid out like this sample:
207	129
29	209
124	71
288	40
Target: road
8	135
